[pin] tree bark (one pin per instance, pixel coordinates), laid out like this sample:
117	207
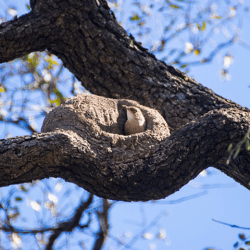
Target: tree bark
87	38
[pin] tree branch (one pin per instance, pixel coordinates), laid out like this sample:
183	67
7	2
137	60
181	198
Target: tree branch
69	225
104	225
137	167
23	35
108	62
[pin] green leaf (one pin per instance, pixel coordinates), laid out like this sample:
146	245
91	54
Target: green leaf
230	147
58	93
57	101
197	52
247	243
2	89
28	7
51	62
33	60
184	66
203	26
174	6
18	198
23	188
247	144
59	97
237	152
135	17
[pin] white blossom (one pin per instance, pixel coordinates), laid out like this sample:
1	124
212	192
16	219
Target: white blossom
35	206
12	11
47	77
203	173
31	55
232	12
16	241
227	61
52	197
188	47
148	236
162	234
58	187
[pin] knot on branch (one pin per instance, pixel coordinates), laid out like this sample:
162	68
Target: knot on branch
99	121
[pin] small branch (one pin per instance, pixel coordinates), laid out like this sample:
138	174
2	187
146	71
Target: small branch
230	225
144	230
66	226
104	225
17	122
72	223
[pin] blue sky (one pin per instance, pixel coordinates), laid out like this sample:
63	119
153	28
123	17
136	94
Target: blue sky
189	224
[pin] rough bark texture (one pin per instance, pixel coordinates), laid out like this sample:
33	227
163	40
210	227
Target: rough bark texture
88	147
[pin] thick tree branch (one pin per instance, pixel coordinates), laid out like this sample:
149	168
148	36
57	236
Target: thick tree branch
91	44
121	167
23	35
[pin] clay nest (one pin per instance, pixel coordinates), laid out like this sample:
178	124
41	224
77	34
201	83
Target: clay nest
99	122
